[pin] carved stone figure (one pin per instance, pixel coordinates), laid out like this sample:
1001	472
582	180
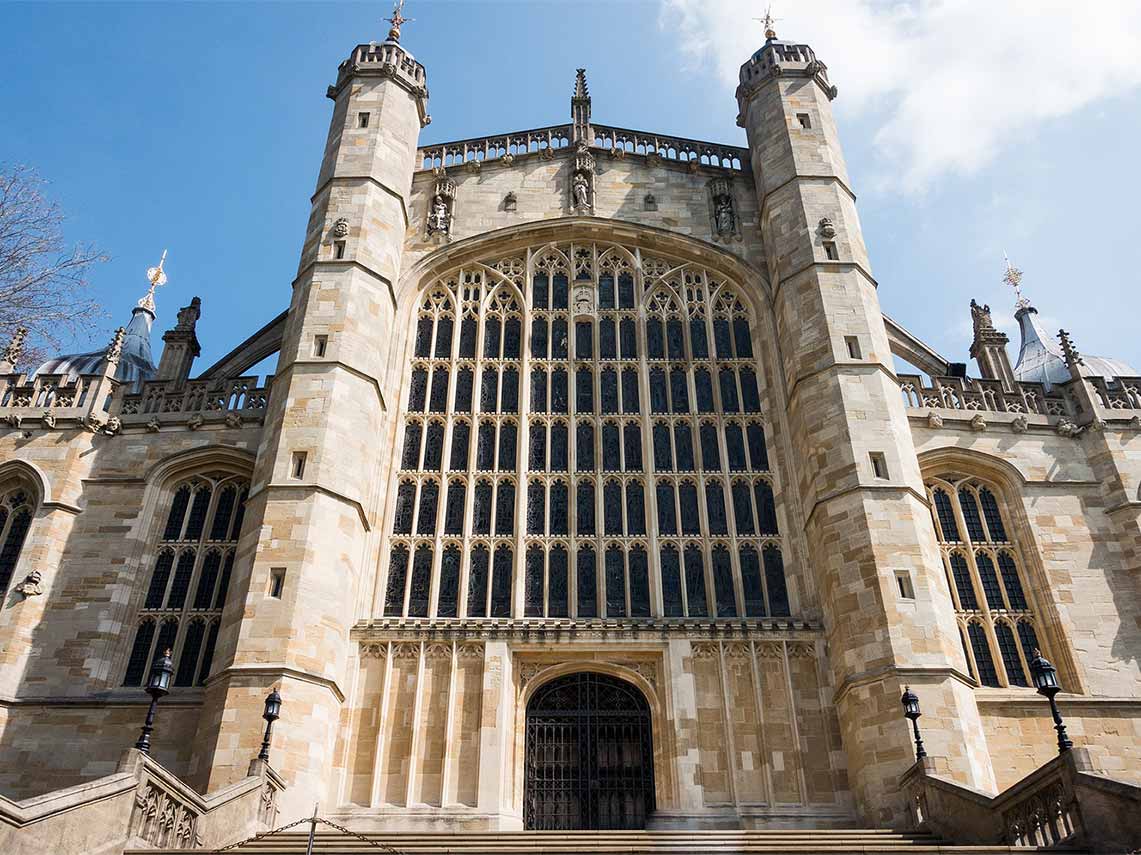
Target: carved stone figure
650	202
113	426
48	419
14	420
195	421
581	190
439	221
1020	424
722	209
978	423
934	420
510	202
725	217
233	420
153	425
30	587
1068	429
980	317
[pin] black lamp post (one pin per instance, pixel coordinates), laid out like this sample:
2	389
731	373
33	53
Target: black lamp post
1045	678
158	685
911	711
272	713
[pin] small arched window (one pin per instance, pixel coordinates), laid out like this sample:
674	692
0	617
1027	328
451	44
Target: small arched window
16	509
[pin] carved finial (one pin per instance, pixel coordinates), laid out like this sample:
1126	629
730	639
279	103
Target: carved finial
769	23
115	348
580	110
1013	278
396	20
1069	352
15	348
157	277
980	317
188	315
580	88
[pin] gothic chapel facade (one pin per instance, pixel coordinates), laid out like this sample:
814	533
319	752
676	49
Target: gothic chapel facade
586	494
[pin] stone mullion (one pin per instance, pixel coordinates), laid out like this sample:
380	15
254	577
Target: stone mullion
384	727
731	742
417	731
650	468
801	783
447	788
988	617
522	447
762	744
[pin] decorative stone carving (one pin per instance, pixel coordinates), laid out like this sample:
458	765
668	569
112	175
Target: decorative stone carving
163	821
826	229
934	420
14	419
617	153
547	153
510	203
442	209
92	423
233	419
582	179
654	159
978	423
723	210
583	301
48	419
115	348
15	348
980	317
650	203
153	425
507	159
1067	428
112	426
195	421
1020	424
30	587
474	166
1135	422
1098	425
1069	352
693	166
341	228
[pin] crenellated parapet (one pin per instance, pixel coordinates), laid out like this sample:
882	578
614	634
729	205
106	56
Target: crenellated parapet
390	60
780	59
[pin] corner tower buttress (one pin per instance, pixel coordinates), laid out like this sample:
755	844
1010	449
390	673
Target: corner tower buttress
858	476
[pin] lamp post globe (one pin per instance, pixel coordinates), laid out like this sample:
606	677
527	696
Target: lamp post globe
158	686
910	702
1045	677
271	714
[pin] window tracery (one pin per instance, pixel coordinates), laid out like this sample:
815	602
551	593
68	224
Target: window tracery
17	505
595	392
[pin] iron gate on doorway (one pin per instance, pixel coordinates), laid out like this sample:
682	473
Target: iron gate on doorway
589	755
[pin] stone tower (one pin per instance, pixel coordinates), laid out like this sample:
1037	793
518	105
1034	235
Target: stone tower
316	487
887	611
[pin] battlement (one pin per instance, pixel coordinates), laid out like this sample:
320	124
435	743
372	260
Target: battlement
778	59
386	59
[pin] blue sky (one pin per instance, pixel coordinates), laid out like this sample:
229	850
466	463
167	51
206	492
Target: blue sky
199	127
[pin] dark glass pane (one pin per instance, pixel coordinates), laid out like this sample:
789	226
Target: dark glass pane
410	459
609	387
584	340
439	402
774	579
1009	652
512	336
971	515
197	518
539	347
397	574
607	339
710	448
630	401
533	584
750	395
606	295
559	391
729	402
663	456
991	589
758	452
735	448
742	507
723	338
628	338
465	380
236	529
635	509
703	383
454	514
208	653
468	329
1029	640
723	583
447	599
424	337
766	508
625	291
946	516
1011	580
679	390
429	496
481	516
140	653
488	390
655	338
461	436
993	517
963	585
584	391
675	339
444	338
986	672
611	448
207	577
508	442
557	583
421	582
715	507
491	335
751	582
698	338
537	448
659	391
584	446
559	447
485	447
173	529
742	339
539	291
667	516
690	521
559	342
683	446
586	582
434	447
538	390
224	583
560	508
695	583
477	582
501	583
509	398
180	585
220	526
559	292
536	507
615	583
418	392
505	510
639	583
671	582
157	589
612	507
632	438
405	501
584	507
167	633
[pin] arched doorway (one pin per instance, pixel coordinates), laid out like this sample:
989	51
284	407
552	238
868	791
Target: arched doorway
589	755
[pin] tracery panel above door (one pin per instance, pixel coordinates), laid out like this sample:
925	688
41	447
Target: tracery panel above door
584	438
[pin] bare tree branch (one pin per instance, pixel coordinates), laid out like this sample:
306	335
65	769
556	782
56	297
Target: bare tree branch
43	282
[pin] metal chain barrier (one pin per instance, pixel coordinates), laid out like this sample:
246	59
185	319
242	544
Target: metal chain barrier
313	820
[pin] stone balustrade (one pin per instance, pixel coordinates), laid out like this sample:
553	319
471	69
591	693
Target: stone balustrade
667	147
957	393
52	398
1122	393
165	401
516	143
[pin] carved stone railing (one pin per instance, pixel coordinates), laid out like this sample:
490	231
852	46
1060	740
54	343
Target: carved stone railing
51	398
957	393
668	147
1064	803
516	143
384	54
1122	393
214	397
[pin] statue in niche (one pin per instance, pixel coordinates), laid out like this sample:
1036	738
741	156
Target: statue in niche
439	220
722	210
725	218
581	191
441	211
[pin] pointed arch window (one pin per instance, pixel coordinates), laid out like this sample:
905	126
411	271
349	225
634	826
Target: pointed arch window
16	510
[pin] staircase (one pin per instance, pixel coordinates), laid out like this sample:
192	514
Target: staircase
771	842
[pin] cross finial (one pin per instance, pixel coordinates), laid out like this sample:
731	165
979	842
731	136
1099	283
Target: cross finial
157	277
1069	352
1013	278
769	21
396	20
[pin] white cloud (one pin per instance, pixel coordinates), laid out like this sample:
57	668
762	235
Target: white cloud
948	84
